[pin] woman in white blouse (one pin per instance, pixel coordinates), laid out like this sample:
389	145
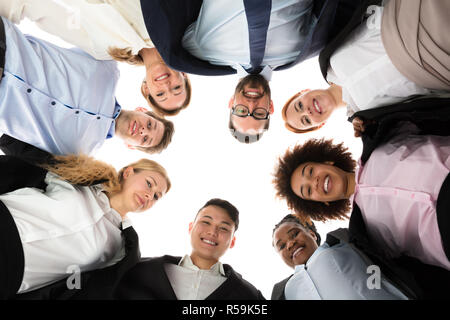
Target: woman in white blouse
68	215
109	29
362	74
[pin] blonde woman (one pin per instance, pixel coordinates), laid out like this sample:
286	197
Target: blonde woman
69	216
109	29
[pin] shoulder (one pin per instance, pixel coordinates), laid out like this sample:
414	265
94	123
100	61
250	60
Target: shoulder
245	288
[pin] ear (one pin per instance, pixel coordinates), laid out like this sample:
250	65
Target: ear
231	102
232	242
141	109
129	171
327	203
313	234
129	146
271	107
144	89
191	225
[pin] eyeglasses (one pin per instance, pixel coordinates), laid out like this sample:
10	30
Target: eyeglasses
242	111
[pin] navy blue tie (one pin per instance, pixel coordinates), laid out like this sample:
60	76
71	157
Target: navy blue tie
258	18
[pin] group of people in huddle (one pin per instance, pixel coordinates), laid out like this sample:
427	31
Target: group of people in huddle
386	61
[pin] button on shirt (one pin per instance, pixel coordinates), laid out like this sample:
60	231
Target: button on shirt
191	283
59	100
220	34
397	189
64	228
363	69
336	273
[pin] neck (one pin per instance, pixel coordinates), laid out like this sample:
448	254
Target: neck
150	56
336	93
202	264
117	204
351	184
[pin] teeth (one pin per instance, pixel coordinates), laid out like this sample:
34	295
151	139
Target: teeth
327	179
209	242
252	93
316	106
134	127
162	77
296	252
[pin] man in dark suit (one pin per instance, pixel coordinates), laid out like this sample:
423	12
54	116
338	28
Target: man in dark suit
197	276
252	37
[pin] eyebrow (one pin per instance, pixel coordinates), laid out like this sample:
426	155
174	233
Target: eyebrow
154	181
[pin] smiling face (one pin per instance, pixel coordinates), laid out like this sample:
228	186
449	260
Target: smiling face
322	182
310	109
139	129
294	243
252	92
166	86
212	233
141	189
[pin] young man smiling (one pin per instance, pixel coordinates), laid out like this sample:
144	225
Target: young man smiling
197	276
63	100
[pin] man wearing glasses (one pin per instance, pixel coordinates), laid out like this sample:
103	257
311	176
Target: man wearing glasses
250	109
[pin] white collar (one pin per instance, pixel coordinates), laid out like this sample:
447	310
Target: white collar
266	72
186	262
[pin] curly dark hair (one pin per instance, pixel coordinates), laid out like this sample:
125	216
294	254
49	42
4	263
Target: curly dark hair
313	150
306	224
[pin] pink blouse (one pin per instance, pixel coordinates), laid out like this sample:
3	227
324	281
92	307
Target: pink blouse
397	190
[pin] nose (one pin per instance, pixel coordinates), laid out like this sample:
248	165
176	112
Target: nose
290	244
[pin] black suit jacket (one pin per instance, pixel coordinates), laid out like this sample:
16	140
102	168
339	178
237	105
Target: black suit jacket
167	20
148	280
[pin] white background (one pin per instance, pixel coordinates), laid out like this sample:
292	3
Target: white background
204	161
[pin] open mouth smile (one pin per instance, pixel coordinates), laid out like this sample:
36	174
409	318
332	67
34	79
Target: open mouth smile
162	77
209	242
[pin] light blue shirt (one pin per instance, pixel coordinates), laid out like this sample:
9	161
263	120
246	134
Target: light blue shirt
59	100
337	273
220	34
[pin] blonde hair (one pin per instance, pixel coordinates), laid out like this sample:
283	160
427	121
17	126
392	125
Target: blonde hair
85	171
125	55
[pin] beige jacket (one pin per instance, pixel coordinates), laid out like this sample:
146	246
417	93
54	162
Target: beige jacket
415	34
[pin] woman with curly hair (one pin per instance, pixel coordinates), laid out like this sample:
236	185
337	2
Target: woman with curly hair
69	212
109	29
401	190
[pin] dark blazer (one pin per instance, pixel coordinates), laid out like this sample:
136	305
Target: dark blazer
19	171
148	280
167	20
429	113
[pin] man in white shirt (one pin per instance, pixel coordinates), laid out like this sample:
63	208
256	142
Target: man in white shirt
197	276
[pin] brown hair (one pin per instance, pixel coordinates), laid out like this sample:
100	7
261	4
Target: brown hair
160	110
287	125
125	55
86	171
319	151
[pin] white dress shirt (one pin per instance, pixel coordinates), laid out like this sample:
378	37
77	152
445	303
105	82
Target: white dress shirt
336	273
57	99
220	34
364	71
64	227
92	25
191	283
